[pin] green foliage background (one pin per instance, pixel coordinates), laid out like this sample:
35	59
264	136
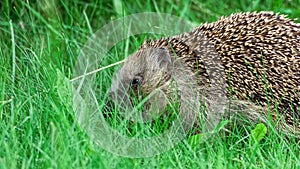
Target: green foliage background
38	131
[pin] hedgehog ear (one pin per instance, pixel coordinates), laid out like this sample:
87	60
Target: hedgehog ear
165	58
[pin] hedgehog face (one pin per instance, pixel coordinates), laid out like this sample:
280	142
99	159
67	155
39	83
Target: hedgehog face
141	82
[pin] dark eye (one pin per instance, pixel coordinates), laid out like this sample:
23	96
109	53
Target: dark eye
136	81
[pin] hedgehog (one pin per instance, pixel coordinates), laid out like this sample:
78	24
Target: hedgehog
248	61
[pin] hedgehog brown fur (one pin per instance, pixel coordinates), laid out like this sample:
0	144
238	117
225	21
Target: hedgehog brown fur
259	52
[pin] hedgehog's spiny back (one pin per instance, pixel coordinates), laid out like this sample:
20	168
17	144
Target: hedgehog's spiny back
261	51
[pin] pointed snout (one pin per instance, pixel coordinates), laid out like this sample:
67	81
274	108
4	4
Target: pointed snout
108	107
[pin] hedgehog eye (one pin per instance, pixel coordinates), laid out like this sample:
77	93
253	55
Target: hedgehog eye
136	81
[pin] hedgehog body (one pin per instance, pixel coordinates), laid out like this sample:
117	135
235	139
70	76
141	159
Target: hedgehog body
259	56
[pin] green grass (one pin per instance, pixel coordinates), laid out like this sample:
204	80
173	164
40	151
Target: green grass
38	130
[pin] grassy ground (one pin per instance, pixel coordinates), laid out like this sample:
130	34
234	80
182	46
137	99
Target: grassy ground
39	131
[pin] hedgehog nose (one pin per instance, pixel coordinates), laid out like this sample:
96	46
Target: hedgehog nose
108	107
107	110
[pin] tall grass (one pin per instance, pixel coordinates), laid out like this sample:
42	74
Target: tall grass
39	38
